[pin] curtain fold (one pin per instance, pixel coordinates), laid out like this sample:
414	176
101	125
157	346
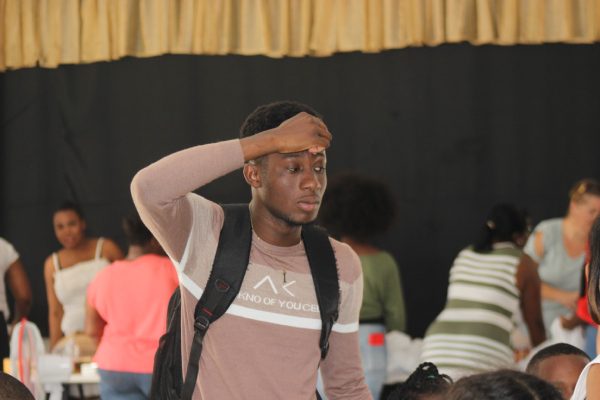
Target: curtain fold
53	32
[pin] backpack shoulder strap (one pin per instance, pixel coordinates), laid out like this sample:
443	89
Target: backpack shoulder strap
323	267
224	283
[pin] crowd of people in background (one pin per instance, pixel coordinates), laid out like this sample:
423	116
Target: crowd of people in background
510	294
114	305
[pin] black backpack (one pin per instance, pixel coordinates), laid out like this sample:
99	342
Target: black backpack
224	283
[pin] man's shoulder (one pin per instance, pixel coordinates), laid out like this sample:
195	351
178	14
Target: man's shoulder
348	262
206	214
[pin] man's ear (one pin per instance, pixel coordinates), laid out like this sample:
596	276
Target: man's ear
252	174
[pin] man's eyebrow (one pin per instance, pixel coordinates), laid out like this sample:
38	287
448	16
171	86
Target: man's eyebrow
299	154
291	155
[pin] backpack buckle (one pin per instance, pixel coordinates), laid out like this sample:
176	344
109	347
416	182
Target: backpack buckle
201	323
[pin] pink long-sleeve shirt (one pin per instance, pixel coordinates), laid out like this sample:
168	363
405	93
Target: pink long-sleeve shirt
267	344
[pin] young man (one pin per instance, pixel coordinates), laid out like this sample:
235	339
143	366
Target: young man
559	364
266	345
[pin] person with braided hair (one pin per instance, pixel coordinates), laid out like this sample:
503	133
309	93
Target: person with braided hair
490	282
425	383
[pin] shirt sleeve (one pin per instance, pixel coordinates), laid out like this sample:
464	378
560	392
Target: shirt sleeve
342	372
8	255
529	248
162	191
551	230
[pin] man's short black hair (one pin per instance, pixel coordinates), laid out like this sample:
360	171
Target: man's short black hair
558	349
271	115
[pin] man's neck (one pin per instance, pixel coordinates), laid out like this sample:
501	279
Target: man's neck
272	229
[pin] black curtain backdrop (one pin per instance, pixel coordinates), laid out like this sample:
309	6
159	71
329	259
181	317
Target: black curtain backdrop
452	129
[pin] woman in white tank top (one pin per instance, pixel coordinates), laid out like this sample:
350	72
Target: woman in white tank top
69	271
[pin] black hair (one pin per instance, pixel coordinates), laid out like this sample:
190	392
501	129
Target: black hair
357	206
69	205
271	115
136	232
425	380
558	349
594	283
12	389
583	187
503	385
503	221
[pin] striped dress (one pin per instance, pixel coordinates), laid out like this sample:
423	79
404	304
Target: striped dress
472	333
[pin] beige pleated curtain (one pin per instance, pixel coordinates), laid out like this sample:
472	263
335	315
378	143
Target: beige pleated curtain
53	32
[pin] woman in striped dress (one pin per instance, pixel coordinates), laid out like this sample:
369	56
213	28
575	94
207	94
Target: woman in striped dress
489	282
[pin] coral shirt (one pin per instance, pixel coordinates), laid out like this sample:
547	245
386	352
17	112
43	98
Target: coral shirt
132	297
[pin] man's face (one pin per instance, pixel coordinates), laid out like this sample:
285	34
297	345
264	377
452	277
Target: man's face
292	185
562	371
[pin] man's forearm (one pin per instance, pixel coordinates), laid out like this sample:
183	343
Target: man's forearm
172	177
159	190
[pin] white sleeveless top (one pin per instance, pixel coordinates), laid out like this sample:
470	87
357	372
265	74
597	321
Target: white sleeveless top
70	285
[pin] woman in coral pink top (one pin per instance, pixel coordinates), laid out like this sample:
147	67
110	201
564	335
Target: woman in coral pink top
127	312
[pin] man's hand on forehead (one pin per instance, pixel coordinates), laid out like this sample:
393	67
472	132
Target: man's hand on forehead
303	132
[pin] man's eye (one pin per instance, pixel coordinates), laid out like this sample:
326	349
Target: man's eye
293	170
319	170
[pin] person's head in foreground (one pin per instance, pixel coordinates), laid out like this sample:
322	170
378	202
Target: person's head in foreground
559	364
425	383
287	185
503	385
12	389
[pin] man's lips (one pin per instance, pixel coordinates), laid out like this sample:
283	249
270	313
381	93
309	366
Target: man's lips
309	204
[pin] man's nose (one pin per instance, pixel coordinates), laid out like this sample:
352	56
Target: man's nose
310	179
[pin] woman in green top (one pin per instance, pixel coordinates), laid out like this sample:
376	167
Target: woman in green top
356	209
